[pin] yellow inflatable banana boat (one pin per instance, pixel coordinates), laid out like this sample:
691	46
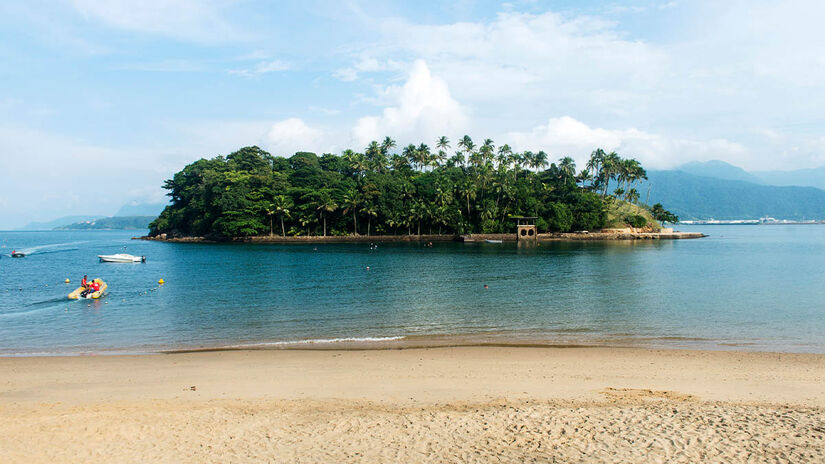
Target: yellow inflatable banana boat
95	295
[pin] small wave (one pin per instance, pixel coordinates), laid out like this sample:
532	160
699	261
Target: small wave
320	341
27	312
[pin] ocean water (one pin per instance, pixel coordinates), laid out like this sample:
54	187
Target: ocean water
743	287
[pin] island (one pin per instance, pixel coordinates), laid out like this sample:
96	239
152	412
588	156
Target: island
418	194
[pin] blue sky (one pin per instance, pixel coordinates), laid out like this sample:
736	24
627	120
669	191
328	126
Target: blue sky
102	101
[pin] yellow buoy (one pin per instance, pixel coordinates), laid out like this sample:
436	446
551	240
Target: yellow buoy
67	281
160	282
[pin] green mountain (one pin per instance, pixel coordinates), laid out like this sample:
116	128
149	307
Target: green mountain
719	170
123	222
699	197
813	177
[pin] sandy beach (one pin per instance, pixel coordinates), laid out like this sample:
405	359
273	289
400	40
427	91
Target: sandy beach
461	404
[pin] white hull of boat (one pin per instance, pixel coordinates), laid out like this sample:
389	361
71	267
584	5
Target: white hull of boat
121	258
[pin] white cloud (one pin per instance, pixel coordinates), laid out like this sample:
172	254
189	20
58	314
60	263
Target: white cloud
367	64
423	109
723	71
566	136
196	20
522	59
262	67
286	137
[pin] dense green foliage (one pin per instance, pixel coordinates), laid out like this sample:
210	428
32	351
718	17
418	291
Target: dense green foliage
118	222
419	191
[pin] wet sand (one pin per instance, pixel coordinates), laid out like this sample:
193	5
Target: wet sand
460	404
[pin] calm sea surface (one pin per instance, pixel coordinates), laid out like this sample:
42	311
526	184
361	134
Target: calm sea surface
744	287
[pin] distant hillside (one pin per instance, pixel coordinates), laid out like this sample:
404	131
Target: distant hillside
123	222
718	169
801	177
721	170
59	222
697	197
140	209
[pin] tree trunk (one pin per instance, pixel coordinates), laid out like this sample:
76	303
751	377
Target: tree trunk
283	231
325	224
419	227
270	226
369	224
354	223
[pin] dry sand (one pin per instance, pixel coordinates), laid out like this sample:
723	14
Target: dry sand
467	404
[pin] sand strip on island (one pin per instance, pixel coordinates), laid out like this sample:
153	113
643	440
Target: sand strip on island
460	404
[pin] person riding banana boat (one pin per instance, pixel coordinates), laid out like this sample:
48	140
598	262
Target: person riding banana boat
93	289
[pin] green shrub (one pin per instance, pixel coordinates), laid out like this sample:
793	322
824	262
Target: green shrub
560	218
489	226
636	221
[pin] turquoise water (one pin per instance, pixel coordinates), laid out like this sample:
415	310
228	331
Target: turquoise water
744	287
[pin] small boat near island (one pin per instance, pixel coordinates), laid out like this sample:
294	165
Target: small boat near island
77	294
121	258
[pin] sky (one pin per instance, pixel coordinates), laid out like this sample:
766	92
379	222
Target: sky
101	101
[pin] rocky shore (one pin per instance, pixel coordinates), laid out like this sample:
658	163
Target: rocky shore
607	235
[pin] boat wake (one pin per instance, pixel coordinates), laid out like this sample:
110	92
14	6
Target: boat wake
34	308
52	248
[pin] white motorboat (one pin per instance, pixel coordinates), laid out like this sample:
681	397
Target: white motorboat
121	258
493	241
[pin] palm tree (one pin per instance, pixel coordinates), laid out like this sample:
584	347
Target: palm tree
409	152
539	161
594	165
439	158
357	162
371	211
568	167
527	158
351	200
418	211
387	145
443	143
487	149
632	195
467	144
610	168
469	192
399	163
584	176
326	204
269	212
504	153
423	154
282	205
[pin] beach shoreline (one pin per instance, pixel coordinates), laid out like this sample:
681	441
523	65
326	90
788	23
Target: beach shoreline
469	404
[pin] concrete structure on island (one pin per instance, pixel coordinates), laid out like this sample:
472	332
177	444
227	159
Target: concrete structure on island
526	229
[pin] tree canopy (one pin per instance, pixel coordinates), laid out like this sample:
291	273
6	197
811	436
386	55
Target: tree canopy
414	190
